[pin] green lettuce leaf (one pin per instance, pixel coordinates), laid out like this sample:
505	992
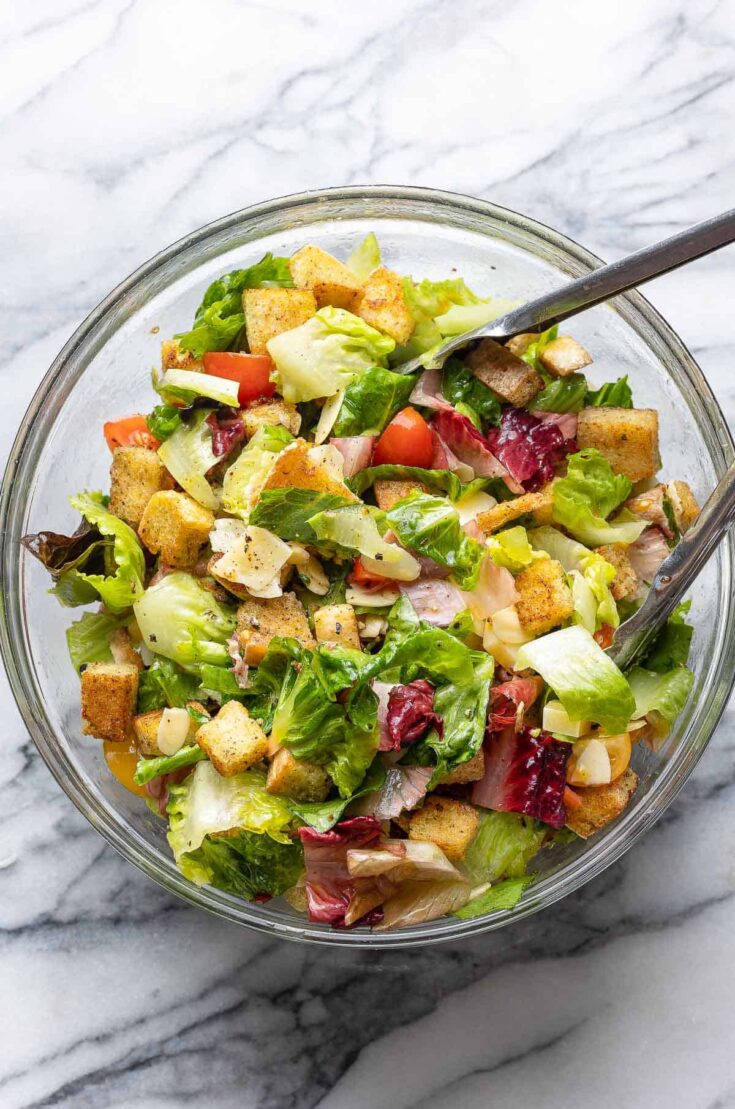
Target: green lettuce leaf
286	512
461	387
585	679
597	573
511	549
118	589
188	386
444	481
503	895
188	456
181	620
220	683
431	526
371	401
271	679
561	394
660	697
463	708
322	356
355	528
614	394
246	864
148	769
587	495
671	646
365	257
323	815
504	845
532	354
163	421
165	685
219	319
247	475
88	639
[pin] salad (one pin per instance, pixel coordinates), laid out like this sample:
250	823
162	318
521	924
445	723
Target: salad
346	627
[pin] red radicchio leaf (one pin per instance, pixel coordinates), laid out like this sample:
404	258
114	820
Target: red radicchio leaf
525	772
329	885
462	438
227	430
410	714
528	447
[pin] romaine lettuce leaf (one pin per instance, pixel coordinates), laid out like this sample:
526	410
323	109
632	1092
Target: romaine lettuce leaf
587	495
354	528
597	572
431	526
466	317
501	895
148	769
444	481
461	387
671	646
246	476
504	845
532	353
181	620
163	421
322	356
585	679
371	401
245	864
220	683
88	639
188	457
219	319
614	394
323	815
510	548
561	394
165	685
463	709
660	697
365	257
188	385
286	512
119	588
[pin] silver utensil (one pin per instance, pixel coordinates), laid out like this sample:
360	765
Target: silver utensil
594	288
676	573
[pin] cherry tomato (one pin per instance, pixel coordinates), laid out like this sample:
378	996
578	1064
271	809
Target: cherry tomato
371	583
251	371
572	800
605	636
407	441
131	431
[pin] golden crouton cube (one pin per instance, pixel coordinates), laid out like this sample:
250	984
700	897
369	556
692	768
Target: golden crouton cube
270	413
109	693
600	804
296	778
519	344
260	620
176	527
233	741
384	307
625	583
174	358
536	505
544	598
136	474
447	822
300	466
471	771
326	277
564	356
626	437
268	312
145	728
683	504
389	493
497	367
336	626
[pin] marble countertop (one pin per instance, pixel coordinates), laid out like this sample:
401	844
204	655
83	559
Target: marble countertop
126	124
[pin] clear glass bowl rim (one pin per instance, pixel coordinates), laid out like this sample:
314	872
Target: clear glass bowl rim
25	455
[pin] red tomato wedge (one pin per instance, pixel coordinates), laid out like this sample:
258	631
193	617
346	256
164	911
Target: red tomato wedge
407	441
251	371
130	431
604	636
372	583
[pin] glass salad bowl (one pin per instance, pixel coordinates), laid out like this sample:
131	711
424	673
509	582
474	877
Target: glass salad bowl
104	371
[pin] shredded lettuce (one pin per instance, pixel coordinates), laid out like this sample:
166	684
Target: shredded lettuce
586	680
365	257
431	526
371	401
510	548
119	588
466	317
322	356
584	499
503	846
188	457
246	476
88	639
182	621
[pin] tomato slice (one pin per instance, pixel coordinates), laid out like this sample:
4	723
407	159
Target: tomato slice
407	441
130	431
605	636
372	583
251	371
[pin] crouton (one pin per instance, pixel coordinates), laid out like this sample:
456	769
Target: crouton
145	729
447	822
564	356
233	741
270	413
625	583
176	527
683	504
336	626
600	804
389	493
259	621
122	649
519	344
109	693
328	279
268	312
174	358
136	474
537	505
384	307
471	771
296	778
497	367
303	466
626	437
544	598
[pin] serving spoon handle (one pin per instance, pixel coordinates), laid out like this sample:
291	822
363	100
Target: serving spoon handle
676	573
594	288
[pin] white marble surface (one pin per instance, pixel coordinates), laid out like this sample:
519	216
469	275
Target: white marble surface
125	124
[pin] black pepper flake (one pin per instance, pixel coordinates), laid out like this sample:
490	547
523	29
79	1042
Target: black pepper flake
337	627
378	557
